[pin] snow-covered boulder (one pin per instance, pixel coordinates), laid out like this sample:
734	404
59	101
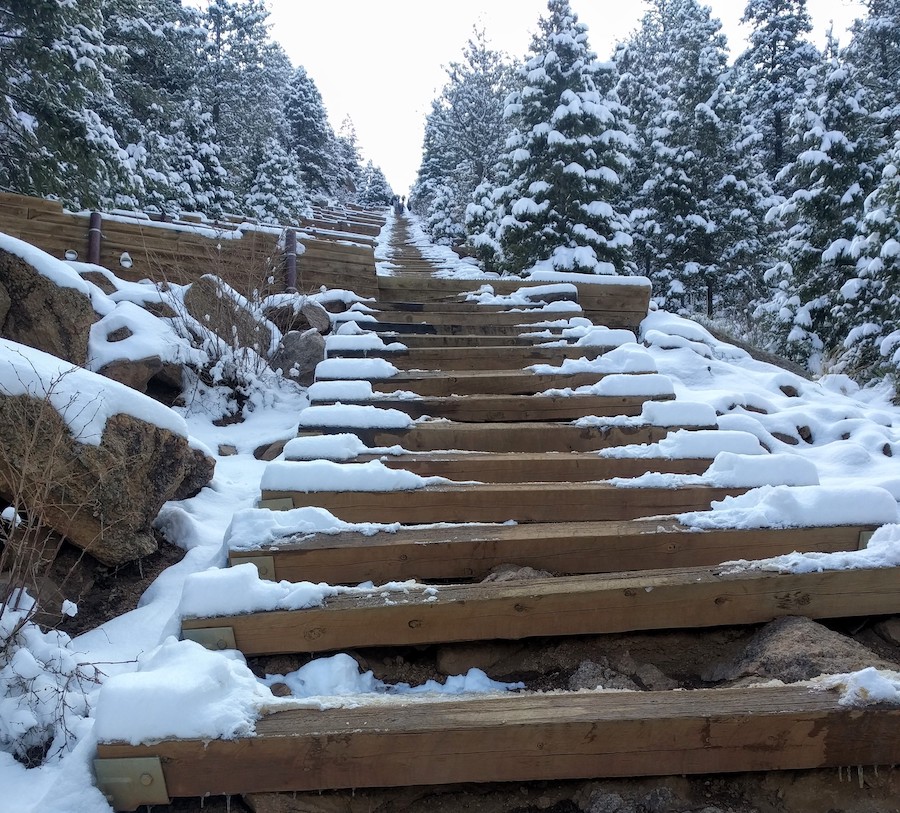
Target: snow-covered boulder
48	305
90	457
221	309
299	354
295	312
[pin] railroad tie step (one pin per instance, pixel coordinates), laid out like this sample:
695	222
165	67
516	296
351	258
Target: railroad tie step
460	553
416	614
520	738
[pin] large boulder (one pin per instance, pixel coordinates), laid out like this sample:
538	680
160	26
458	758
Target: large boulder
299	313
100	493
4	304
55	318
220	309
298	355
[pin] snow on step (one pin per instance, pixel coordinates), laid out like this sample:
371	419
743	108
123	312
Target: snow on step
626	358
353	416
324	475
354	368
362	342
697	443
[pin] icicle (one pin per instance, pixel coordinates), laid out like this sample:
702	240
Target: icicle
228	804
859	775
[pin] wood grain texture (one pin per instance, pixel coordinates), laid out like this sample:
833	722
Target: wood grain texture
464	552
571	605
532	737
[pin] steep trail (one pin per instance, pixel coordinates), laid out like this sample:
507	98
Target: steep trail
564	560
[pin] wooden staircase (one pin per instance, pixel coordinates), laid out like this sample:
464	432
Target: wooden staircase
621	565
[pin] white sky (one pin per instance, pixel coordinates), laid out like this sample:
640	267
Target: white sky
381	61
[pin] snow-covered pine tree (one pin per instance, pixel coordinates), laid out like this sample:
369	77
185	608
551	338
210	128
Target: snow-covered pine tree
243	81
870	306
348	161
874	53
276	193
565	157
374	189
310	136
828	182
695	203
55	94
464	136
768	73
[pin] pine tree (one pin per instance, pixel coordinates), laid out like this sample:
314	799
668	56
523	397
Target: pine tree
464	135
869	305
829	181
55	138
348	161
374	188
565	157
695	206
769	73
310	135
276	192
874	53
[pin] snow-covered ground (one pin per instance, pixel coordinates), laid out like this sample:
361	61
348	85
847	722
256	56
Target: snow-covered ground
833	461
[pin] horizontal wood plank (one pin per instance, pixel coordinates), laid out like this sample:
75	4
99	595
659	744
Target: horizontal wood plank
531	737
502	502
553	467
481	382
461	553
511	408
570	605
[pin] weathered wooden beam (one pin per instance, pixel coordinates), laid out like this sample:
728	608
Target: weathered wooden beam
456	339
502	502
513	408
505	437
531	737
475	317
553	467
465	552
571	605
481	382
510	357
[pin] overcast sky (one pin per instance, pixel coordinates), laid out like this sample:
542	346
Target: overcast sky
381	61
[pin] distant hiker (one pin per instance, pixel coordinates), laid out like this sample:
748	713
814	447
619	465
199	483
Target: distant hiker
398	206
402	202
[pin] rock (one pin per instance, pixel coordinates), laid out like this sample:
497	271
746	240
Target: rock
4	305
889	630
44	315
602	802
645	674
227	450
281	690
301	314
99	279
199	468
298	354
593	675
135	374
269	451
795	648
219	308
514	573
102	498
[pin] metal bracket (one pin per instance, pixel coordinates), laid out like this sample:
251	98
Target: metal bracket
130	782
265	565
217	638
864	537
277	504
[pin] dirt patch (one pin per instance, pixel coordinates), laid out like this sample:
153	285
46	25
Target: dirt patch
113	591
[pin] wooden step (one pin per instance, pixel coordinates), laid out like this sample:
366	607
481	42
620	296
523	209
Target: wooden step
474	317
568	605
460	306
527	737
552	467
534	437
512	408
421	327
481	382
457	339
509	357
502	502
465	552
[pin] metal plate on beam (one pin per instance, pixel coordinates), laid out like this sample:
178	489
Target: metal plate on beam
277	504
217	638
131	782
864	538
265	565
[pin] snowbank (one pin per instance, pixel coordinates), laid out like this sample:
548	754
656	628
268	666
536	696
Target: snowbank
324	475
354	416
